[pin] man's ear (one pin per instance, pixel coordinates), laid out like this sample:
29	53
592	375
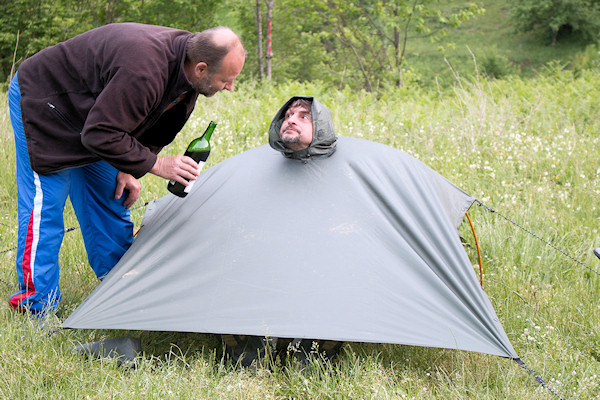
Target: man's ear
201	70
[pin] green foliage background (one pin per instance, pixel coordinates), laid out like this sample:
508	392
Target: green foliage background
356	44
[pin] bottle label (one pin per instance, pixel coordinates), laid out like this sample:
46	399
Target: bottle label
188	188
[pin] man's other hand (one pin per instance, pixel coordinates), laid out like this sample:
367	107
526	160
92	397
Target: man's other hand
131	185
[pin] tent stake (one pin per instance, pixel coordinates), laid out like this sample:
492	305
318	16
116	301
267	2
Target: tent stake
538	378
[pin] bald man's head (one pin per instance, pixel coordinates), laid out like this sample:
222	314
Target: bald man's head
215	57
212	45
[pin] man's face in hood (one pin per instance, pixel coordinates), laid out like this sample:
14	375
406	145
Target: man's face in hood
297	128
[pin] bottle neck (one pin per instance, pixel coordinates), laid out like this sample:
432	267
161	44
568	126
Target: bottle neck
208	133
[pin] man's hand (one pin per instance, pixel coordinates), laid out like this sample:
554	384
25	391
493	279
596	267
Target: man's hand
178	168
129	183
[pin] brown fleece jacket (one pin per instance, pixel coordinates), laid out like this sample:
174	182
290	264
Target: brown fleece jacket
110	93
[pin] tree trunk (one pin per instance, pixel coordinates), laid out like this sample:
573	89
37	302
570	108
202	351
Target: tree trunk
110	11
261	67
397	57
400	58
270	5
348	43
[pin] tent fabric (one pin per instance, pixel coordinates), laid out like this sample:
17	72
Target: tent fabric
360	246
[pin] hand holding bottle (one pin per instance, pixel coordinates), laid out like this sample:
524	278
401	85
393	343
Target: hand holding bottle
198	150
176	168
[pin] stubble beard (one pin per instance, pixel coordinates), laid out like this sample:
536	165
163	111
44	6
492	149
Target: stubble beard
204	87
290	138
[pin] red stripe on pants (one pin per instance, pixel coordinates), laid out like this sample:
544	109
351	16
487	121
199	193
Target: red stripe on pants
16	301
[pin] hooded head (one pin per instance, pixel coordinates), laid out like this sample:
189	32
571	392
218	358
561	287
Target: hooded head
323	136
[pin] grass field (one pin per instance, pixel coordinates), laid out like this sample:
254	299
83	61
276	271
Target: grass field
527	148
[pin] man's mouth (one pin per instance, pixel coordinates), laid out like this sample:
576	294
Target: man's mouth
290	128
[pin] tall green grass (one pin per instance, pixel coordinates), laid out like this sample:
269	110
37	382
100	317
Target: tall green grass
529	149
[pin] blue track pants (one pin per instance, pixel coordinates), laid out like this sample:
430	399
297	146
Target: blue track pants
105	223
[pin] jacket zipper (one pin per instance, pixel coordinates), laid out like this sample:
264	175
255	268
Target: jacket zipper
64	118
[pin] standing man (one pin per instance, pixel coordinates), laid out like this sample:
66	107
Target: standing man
90	116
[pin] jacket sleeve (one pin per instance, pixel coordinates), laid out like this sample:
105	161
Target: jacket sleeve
125	103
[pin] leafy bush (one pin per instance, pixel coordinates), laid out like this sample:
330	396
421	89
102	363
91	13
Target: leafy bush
588	59
494	65
551	18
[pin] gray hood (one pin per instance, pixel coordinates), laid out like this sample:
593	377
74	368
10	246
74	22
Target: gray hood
324	139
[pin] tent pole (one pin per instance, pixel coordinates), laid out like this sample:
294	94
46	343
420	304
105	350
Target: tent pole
478	250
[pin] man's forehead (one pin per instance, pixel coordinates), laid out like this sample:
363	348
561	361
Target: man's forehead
298	107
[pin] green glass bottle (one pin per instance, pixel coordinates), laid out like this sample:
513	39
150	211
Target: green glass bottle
199	150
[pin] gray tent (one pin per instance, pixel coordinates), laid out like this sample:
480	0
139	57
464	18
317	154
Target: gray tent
359	246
